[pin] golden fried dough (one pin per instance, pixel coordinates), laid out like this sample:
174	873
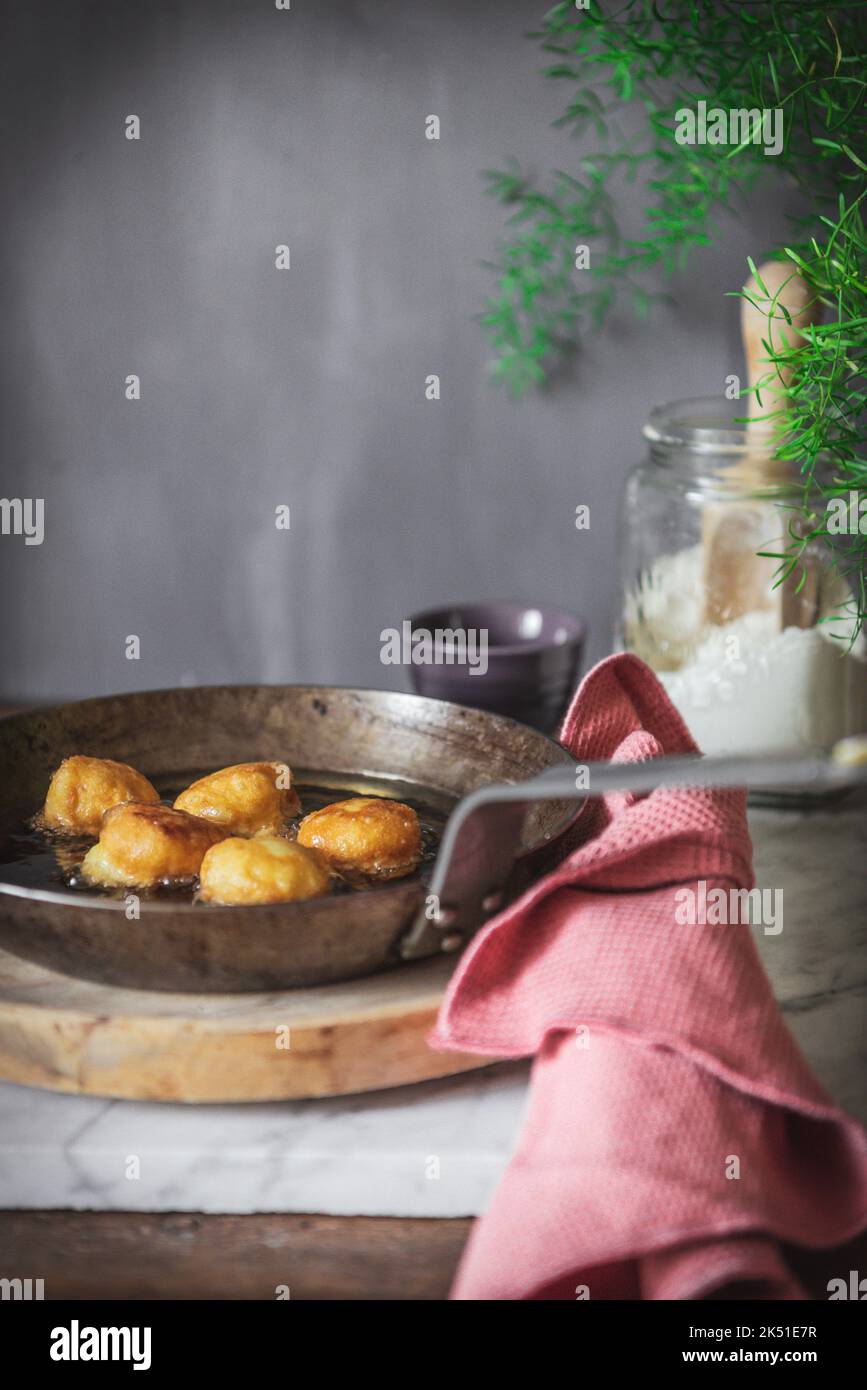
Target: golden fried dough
264	870
249	799
367	835
139	845
83	789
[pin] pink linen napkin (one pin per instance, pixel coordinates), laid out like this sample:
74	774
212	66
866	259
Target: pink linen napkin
677	1144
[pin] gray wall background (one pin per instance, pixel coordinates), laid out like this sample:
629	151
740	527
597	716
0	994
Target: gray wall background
303	387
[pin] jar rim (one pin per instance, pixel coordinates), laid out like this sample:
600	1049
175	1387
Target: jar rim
705	425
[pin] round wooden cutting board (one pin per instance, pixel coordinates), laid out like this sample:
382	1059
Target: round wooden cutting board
71	1035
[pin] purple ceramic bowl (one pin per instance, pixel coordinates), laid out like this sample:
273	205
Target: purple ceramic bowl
515	659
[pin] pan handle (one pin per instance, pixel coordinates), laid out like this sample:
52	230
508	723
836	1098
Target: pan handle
483	835
479	846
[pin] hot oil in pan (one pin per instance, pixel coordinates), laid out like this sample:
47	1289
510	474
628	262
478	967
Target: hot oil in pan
32	858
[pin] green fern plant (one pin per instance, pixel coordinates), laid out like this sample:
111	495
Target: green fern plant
805	57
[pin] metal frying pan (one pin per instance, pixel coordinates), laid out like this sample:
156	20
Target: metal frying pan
444	750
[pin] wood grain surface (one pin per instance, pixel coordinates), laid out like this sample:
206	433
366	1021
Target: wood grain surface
133	1255
72	1035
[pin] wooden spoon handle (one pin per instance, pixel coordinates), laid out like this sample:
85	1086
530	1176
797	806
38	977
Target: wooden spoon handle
779	287
777	312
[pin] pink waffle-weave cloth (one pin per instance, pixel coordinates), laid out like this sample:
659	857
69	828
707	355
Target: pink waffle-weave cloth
677	1144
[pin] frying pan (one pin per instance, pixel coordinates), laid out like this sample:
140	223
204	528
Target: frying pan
446	750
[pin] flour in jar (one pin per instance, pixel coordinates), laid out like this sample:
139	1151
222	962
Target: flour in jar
746	686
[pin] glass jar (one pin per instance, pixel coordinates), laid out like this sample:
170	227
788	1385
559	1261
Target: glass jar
752	665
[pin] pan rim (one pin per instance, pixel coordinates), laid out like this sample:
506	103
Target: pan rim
61	897
409	695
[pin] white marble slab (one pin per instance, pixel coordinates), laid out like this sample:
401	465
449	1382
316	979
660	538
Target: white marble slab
436	1149
818	963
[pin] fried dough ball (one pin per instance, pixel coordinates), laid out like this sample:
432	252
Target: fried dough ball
264	870
140	844
249	799
83	789
366	835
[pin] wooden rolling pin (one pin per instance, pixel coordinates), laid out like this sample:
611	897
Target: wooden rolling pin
737	580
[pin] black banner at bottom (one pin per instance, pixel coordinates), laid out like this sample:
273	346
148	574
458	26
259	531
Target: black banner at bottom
150	1338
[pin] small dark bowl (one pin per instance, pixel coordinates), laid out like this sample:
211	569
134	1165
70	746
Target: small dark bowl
534	658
